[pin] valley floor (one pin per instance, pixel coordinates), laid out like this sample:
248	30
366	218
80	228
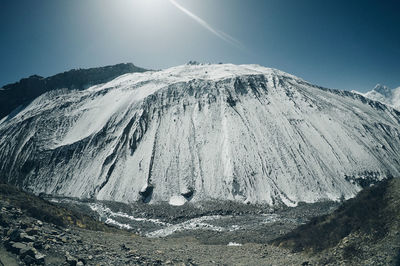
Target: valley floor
101	248
24	238
78	240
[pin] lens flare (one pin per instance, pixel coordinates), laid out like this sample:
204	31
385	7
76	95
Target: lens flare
220	34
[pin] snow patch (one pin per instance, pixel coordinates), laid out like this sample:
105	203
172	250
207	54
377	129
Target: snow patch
193	224
107	213
117	224
177	200
234	244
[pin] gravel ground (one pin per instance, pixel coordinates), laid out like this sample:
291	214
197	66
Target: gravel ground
26	240
236	234
29	241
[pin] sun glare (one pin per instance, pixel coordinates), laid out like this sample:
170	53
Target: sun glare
149	6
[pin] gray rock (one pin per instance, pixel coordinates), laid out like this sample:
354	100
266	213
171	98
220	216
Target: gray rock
15	235
3	221
23	224
28	260
38	245
32	231
72	261
39	258
16	247
27	251
26	238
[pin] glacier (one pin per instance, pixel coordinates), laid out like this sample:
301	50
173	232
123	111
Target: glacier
200	132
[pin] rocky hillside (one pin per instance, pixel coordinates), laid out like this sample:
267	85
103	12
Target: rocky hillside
23	92
198	132
36	232
364	230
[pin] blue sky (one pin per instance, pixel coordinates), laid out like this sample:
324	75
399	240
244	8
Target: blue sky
337	44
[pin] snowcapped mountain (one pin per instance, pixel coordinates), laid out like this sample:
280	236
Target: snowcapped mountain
198	132
385	95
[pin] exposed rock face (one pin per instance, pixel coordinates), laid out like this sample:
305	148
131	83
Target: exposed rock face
244	133
21	93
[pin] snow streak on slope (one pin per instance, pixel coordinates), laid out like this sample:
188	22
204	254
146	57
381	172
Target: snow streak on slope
244	133
385	95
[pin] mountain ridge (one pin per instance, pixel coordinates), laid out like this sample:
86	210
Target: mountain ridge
20	93
195	132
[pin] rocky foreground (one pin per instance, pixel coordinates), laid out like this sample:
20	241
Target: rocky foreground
36	232
362	231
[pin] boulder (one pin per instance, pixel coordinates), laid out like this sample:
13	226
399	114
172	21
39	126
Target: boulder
27	251
39	258
3	221
24	237
16	247
15	235
72	261
32	231
28	260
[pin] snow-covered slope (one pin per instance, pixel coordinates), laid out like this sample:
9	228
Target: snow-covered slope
199	132
385	95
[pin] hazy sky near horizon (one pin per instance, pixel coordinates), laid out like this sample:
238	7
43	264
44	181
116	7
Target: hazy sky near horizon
337	44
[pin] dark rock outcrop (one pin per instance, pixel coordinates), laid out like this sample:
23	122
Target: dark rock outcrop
21	93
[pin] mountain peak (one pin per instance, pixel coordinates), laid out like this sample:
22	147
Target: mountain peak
385	95
382	89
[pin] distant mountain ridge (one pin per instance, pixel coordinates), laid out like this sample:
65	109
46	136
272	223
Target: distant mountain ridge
385	95
22	92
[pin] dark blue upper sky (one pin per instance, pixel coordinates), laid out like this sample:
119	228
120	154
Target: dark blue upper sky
338	44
